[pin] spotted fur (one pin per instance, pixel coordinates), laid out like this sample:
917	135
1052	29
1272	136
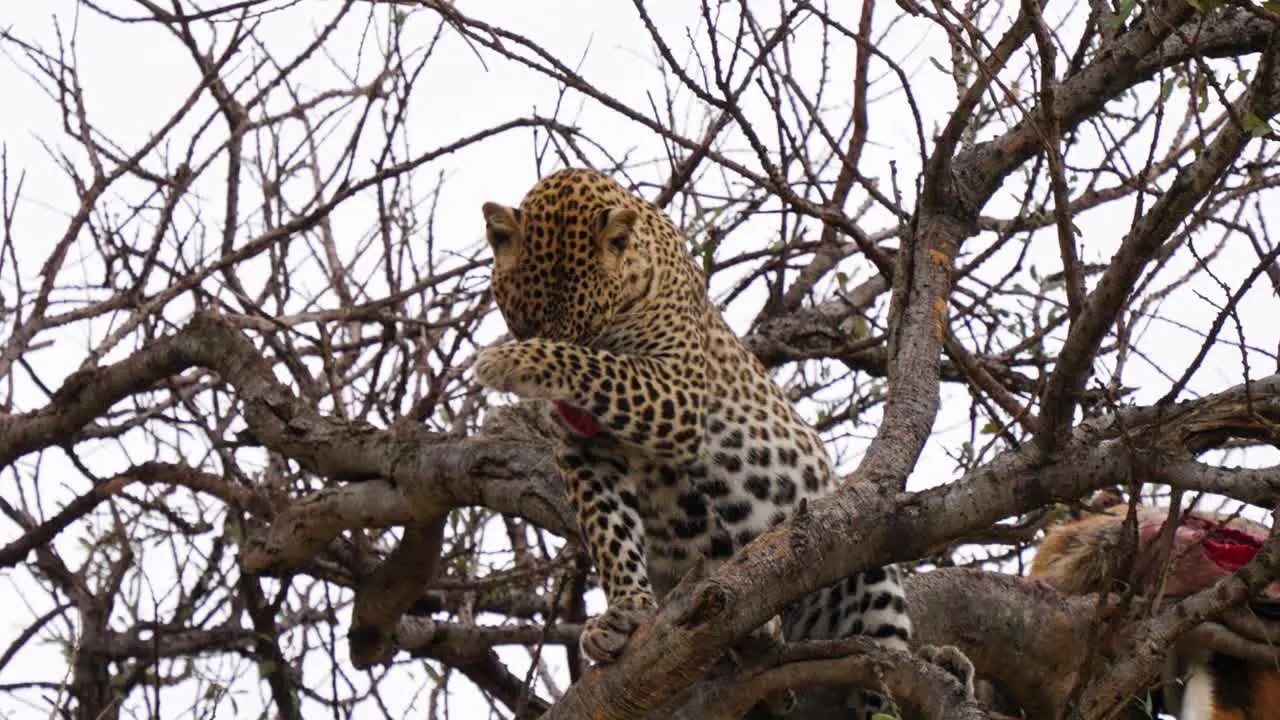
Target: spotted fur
677	441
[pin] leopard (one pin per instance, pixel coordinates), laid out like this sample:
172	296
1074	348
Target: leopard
677	446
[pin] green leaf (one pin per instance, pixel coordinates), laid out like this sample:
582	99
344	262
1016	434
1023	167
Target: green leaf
938	65
1122	13
1255	125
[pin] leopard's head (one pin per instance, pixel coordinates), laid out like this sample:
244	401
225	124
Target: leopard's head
563	258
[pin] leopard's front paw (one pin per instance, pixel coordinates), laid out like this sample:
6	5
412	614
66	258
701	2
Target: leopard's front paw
951	659
606	635
501	368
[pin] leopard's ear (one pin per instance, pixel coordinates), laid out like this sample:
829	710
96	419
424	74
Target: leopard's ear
502	224
615	226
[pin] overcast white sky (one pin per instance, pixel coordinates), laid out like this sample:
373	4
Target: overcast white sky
135	75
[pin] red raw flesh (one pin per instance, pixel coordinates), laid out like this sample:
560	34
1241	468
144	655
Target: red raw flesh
579	420
1231	548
